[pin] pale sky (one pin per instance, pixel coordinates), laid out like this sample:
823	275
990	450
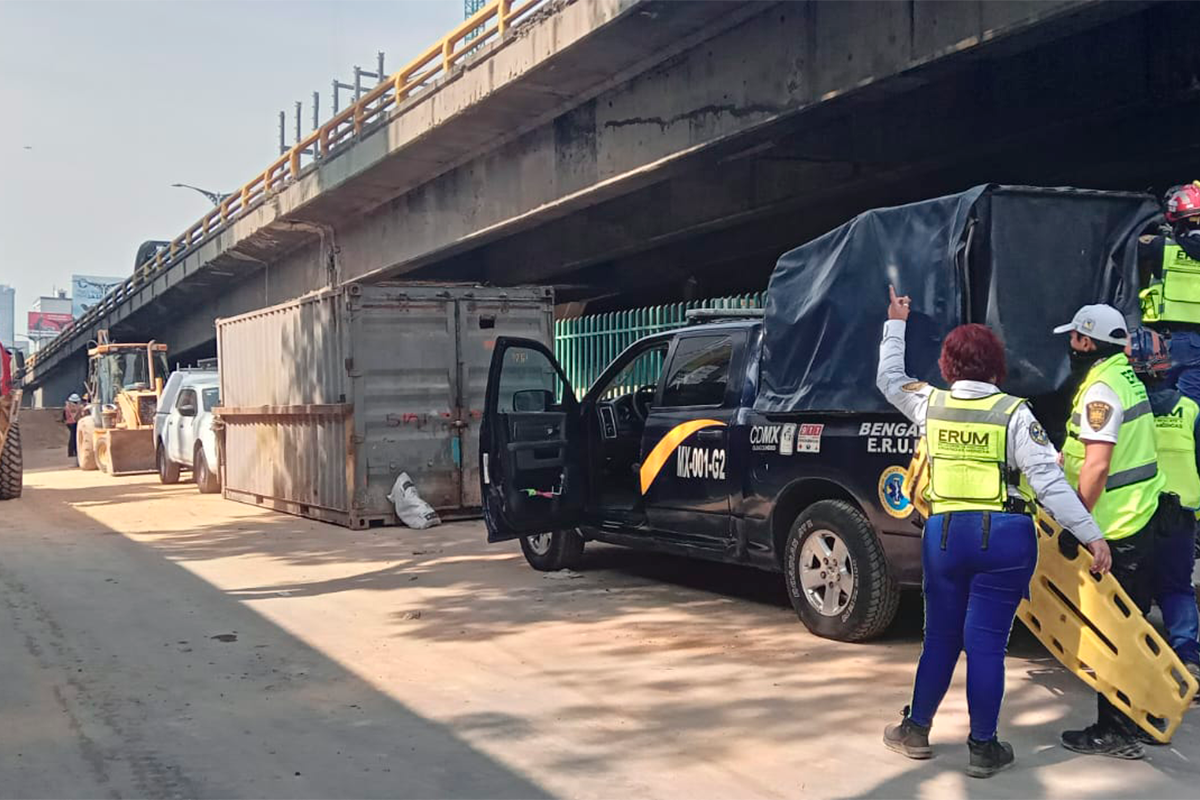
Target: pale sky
116	101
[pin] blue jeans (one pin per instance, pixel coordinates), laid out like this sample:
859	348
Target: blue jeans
971	596
1185	363
1174	559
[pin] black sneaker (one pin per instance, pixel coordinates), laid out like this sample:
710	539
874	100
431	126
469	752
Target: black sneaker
1146	738
1095	740
988	758
908	738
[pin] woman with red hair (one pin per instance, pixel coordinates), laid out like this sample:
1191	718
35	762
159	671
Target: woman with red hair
979	548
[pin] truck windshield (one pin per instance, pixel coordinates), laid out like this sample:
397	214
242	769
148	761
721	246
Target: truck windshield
128	370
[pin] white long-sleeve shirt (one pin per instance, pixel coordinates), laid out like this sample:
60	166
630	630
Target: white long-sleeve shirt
1028	448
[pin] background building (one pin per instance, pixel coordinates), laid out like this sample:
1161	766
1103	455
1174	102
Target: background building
8	300
47	317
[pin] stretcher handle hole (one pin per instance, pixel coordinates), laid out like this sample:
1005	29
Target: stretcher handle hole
1120	604
1124	698
1158	723
1153	645
1058	644
1181	685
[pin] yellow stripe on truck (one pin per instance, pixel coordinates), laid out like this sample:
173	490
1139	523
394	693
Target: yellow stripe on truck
666	445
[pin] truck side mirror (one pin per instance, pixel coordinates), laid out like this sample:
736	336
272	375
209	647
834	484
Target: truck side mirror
19	358
532	400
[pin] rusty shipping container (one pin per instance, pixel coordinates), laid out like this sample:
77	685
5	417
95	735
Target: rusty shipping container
326	399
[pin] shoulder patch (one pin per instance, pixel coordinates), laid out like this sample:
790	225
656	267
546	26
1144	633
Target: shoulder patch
1098	414
1038	433
913	386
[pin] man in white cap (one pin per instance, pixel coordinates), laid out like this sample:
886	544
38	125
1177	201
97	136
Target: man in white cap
1110	458
72	411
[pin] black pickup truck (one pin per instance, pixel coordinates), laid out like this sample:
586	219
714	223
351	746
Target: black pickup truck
734	440
666	451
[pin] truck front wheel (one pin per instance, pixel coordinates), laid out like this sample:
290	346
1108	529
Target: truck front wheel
548	552
85	444
837	573
11	468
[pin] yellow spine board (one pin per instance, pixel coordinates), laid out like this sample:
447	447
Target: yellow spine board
1092	627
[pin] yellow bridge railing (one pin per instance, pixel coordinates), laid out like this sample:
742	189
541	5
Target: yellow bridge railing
491	21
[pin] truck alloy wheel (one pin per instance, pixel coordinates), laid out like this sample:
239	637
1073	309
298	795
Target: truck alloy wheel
540	543
557	550
837	574
826	573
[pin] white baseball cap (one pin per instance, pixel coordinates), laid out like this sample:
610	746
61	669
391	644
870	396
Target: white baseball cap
74	398
1100	322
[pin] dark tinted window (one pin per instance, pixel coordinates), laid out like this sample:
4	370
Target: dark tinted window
528	382
699	371
187	397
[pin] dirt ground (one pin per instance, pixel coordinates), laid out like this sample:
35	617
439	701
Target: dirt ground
161	643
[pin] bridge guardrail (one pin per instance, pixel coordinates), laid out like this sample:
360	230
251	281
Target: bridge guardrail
493	20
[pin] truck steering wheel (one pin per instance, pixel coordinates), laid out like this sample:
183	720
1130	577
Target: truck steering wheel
641	401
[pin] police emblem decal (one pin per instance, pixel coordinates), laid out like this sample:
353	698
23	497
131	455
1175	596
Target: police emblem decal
891	492
1098	414
1038	434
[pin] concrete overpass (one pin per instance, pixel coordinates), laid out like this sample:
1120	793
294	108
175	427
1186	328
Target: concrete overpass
632	151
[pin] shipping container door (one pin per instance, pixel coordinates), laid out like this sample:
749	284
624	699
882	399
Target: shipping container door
482	320
404	373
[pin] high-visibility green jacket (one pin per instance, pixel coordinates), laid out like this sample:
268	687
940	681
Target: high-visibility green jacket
1175	297
1130	495
1176	443
967	442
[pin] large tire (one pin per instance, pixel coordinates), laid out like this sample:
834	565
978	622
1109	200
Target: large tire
168	470
549	552
85	444
12	470
837	574
206	481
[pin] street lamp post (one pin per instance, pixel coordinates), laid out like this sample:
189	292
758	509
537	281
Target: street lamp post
214	197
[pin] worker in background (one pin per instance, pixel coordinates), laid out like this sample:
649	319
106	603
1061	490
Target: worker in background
1177	425
1170	265
1111	459
979	548
73	410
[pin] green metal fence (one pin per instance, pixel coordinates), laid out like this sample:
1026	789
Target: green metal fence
586	345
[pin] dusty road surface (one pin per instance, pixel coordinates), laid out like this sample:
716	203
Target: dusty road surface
161	643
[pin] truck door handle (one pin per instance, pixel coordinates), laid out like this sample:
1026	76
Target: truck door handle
710	436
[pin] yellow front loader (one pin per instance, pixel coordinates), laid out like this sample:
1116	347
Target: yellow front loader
125	382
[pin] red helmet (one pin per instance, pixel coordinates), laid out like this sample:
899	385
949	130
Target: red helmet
1182	202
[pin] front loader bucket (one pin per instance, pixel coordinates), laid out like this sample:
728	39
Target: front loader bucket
120	451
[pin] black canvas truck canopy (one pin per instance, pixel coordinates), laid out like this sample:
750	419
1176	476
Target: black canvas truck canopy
1019	259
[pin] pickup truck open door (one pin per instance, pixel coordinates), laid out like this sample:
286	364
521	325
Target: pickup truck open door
532	444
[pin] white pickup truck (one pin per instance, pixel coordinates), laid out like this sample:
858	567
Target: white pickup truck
183	428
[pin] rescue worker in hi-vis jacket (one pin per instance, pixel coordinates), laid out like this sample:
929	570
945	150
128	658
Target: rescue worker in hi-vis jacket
1111	458
979	548
1169	264
1177	429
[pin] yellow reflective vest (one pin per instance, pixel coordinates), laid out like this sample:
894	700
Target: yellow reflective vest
1130	495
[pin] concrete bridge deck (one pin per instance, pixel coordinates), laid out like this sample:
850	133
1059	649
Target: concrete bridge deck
638	147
